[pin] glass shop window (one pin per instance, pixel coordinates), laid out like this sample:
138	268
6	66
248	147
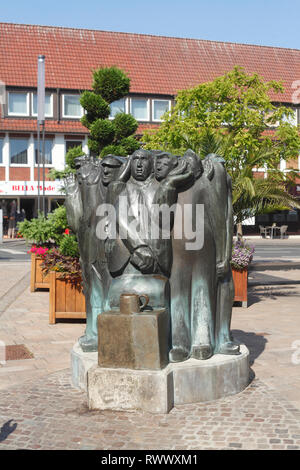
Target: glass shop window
18	149
70	144
48	151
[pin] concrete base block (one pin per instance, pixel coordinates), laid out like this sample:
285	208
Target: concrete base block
81	362
221	375
191	381
125	389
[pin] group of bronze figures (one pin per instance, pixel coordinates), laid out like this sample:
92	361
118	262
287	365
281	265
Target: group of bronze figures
192	281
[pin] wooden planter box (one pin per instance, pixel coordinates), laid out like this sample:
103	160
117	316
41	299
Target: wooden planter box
66	299
38	280
240	280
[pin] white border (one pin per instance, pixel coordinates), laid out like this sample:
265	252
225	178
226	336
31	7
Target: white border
158	99
2	164
80	141
16	165
27	103
47	165
148	108
51	104
126	107
63	107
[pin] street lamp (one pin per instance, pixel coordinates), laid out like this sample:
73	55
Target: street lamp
41	122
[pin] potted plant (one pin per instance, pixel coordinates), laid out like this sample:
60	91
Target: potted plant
37	279
242	255
44	233
63	267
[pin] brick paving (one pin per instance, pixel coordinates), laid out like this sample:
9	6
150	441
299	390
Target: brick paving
50	414
26	321
36	394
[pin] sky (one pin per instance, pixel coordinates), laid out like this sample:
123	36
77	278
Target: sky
262	22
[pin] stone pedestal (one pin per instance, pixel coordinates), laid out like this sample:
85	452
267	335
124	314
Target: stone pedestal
128	390
137	341
157	391
81	362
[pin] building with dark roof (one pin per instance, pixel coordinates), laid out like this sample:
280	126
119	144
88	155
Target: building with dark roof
157	66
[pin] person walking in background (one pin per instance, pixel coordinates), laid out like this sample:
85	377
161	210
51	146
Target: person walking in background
5	217
12	220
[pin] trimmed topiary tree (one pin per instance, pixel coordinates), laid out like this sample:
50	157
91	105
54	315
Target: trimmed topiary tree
108	136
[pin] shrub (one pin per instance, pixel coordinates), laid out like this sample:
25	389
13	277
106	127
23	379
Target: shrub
38	231
130	144
45	230
107	135
125	125
111	83
103	131
59	223
113	150
68	245
73	153
95	105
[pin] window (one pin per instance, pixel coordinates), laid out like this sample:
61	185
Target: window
18	104
140	109
72	143
292	216
48	151
48	105
291	119
1	148
72	107
117	107
18	151
159	107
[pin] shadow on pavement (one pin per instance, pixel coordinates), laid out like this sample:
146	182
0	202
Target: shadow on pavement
256	295
7	429
255	342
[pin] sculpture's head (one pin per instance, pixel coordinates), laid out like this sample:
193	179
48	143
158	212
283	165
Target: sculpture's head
84	165
111	165
164	162
80	161
141	164
194	163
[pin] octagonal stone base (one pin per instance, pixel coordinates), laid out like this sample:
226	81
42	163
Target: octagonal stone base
157	391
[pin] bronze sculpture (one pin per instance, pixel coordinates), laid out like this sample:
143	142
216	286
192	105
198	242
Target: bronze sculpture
143	251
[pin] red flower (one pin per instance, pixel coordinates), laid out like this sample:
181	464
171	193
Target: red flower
67	231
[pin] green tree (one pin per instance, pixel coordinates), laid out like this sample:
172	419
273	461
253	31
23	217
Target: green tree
235	117
72	153
108	135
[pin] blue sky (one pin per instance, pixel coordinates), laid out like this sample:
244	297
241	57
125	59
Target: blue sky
263	22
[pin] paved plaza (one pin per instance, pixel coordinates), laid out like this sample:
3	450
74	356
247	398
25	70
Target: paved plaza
39	409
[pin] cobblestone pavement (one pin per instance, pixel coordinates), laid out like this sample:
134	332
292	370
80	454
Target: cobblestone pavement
50	414
36	394
26	321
